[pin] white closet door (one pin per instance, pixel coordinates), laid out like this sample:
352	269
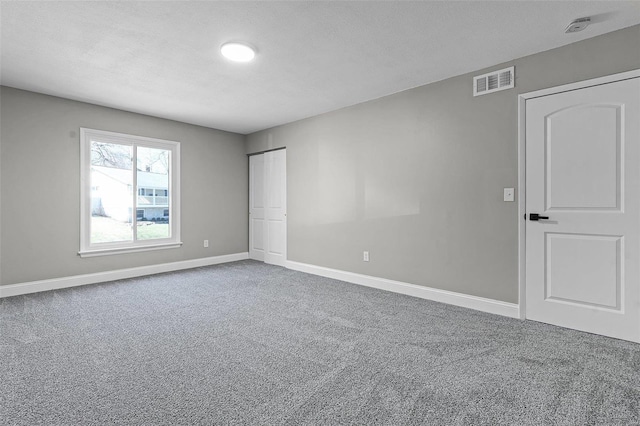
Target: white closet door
276	207
256	207
582	178
268	207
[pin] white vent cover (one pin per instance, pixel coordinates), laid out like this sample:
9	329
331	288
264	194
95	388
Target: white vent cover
494	81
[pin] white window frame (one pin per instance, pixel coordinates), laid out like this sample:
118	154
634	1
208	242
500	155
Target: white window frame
99	249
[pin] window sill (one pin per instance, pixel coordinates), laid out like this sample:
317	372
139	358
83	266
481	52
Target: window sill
123	250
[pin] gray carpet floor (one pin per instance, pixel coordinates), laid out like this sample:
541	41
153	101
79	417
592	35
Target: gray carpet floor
249	343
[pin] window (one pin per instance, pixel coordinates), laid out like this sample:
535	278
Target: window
114	214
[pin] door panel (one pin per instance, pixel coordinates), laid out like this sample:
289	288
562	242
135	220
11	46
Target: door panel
276	212
594	181
276	229
582	162
594	278
256	207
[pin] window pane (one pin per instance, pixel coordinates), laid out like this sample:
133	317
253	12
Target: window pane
153	174
111	197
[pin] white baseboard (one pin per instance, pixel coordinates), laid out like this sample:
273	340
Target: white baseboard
444	296
458	299
77	280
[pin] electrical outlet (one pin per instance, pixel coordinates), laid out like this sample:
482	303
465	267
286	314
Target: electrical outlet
365	256
206	243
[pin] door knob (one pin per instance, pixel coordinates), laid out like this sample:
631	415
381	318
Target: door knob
536	216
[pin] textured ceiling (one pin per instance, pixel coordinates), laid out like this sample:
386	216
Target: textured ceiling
162	58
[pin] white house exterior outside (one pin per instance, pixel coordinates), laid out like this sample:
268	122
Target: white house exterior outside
111	194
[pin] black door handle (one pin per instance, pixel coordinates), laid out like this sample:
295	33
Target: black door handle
536	216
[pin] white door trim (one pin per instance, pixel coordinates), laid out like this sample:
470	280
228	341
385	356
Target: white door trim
522	98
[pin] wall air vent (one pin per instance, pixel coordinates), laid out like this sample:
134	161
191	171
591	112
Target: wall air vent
494	81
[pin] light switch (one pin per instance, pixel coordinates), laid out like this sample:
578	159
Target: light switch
509	194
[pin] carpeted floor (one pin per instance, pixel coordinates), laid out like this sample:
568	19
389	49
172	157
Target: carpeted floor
249	343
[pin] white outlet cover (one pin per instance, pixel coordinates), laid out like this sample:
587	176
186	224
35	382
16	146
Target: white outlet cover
509	194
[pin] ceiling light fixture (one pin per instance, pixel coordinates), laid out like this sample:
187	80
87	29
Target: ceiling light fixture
238	52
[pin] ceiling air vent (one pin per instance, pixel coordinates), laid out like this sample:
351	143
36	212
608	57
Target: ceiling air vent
493	81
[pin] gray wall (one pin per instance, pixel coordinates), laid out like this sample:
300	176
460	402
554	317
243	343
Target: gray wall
40	192
416	178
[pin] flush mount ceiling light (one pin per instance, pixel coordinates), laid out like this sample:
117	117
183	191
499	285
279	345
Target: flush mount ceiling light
237	51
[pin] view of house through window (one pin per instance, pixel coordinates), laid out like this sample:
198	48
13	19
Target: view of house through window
128	192
112	201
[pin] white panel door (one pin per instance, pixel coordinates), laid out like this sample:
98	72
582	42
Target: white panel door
257	209
276	207
582	178
268	207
